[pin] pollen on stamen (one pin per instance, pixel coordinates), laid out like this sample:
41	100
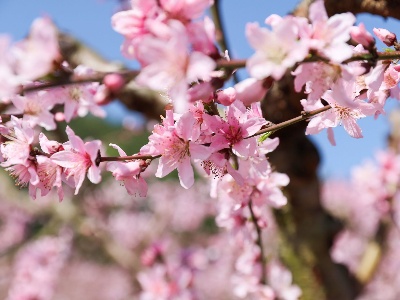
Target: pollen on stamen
210	167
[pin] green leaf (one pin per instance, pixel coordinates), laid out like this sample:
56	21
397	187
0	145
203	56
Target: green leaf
263	137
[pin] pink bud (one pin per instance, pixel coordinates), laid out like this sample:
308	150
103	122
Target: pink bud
385	36
114	82
227	96
397	68
59	117
361	36
262	223
148	257
102	96
151	254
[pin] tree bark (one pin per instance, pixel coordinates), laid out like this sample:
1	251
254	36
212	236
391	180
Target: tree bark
315	229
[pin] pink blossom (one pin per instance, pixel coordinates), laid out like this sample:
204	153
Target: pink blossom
129	174
36	109
169	67
344	111
251	90
381	83
202	91
132	23
78	159
47	146
136	23
25	175
318	77
276	50
78	100
280	280
185	9
202	36
218	164
27	55
232	132
158	283
37	268
248	268
391	77
329	35
49	174
270	190
374	79
176	145
226	96
18	147
349	248
15	221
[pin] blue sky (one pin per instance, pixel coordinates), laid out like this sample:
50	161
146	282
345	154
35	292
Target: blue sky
89	20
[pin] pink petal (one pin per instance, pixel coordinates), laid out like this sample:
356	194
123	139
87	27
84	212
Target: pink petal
185	173
199	151
184	127
94	174
331	136
120	151
352	128
76	142
165	166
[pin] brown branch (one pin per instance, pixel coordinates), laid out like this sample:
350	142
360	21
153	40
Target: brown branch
302	117
131	74
384	8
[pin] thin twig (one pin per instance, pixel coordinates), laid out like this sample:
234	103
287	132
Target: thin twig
125	158
263	279
304	116
241	63
70	81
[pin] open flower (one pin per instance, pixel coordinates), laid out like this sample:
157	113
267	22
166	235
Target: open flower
176	145
129	174
78	159
233	131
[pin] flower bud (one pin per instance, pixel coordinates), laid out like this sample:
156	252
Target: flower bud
226	97
385	36
361	36
114	82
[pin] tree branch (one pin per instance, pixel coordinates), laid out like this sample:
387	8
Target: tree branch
384	8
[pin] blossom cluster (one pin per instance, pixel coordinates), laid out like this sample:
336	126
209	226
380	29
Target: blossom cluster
368	206
219	131
45	168
178	57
